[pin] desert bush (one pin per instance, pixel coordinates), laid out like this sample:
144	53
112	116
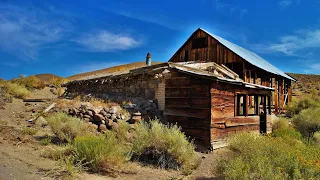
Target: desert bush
57	81
29	131
163	146
58	152
305	102
289	132
30	82
281	123
45	141
13	89
308	122
264	157
101	153
67	127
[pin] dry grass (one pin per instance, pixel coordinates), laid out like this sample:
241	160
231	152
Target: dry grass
67	128
30	82
14	89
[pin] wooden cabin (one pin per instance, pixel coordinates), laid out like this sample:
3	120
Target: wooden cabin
210	87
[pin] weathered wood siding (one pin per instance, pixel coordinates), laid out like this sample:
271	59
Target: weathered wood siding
224	121
214	51
188	104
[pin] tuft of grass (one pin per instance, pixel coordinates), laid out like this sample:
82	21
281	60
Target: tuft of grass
101	153
163	146
29	131
264	157
58	152
45	141
281	123
66	128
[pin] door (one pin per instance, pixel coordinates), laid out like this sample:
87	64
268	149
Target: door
263	115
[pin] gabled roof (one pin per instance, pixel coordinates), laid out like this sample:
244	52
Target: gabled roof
249	56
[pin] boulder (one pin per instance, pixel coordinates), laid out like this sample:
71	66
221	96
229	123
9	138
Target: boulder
102	127
98	117
41	121
113	110
90	113
109	123
114	125
113	117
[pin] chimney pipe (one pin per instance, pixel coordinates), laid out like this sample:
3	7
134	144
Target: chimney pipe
148	59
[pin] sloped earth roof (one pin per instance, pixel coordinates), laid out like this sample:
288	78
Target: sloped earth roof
250	56
217	72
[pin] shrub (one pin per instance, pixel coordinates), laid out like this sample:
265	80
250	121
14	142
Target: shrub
287	133
67	127
58	152
100	153
280	123
14	89
29	131
308	122
166	147
45	141
305	102
262	157
31	82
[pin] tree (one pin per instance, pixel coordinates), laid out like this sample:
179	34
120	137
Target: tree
308	122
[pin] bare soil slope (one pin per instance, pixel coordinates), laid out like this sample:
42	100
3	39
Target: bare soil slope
305	83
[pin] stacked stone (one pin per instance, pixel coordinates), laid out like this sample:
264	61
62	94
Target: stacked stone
104	118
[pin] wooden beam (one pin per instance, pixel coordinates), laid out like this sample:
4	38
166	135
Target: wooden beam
246	104
276	96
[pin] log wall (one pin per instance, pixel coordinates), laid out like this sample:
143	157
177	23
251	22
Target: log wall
188	104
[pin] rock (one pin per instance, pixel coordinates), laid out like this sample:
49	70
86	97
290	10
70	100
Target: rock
103	122
106	109
114	125
113	110
41	121
118	116
87	119
103	113
98	117
113	117
108	116
27	104
109	123
86	116
102	127
90	113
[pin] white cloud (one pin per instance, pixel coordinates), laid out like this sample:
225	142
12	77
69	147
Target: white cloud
23	30
105	41
313	68
285	3
292	44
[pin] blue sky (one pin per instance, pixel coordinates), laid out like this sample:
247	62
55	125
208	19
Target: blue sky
71	37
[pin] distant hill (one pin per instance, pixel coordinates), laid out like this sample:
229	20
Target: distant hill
305	83
46	77
123	67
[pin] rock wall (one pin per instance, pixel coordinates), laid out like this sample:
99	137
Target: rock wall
142	93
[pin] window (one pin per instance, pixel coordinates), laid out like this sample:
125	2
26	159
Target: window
241	105
199	43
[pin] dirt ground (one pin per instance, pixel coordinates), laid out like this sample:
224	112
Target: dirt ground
20	155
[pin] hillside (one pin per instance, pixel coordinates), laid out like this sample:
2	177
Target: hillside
110	70
305	83
46	77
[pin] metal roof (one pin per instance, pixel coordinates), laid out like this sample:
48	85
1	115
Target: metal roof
250	56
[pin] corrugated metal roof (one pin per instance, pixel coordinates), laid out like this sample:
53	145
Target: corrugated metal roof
250	56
